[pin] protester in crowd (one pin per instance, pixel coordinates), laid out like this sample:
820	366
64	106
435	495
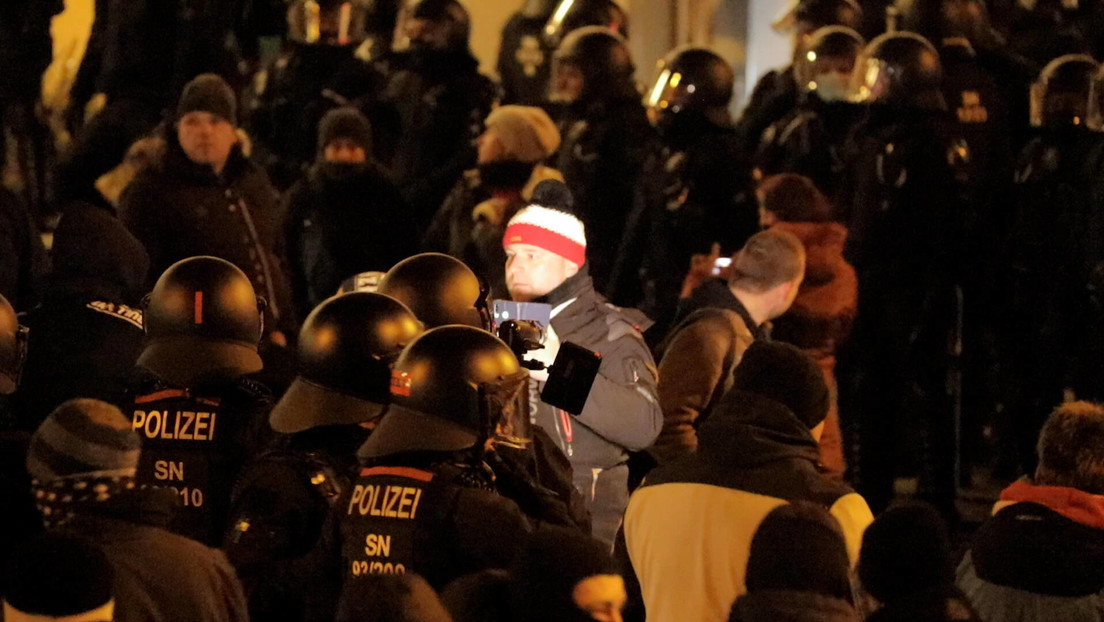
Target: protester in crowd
820	318
1039	557
83	460
722	318
470	224
345	216
688	529
797	569
546	262
906	564
205	197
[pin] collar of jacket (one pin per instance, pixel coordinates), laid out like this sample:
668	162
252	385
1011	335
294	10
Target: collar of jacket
580	288
792	606
576	286
152	507
714	292
1076	505
748	430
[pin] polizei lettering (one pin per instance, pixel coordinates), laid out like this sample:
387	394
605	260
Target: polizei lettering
176	425
385	501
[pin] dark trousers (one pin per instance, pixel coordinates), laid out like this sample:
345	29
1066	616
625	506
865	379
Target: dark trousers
606	492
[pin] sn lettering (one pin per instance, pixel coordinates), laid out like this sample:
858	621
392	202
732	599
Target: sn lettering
377	545
179	425
166	470
386	501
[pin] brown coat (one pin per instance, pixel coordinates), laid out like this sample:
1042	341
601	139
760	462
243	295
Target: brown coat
821	316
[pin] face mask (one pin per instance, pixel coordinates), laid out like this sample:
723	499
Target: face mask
341	171
832	86
505	175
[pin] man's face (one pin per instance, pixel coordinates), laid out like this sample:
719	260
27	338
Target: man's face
532	272
601	596
426	34
206	138
345	151
566	84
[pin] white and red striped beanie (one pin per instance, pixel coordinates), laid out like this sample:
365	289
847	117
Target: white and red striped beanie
547	223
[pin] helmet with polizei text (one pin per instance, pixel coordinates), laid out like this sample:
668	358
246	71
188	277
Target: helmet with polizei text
202	320
13	348
346	348
449	390
439	289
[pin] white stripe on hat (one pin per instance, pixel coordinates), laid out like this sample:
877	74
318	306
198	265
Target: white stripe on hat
556	221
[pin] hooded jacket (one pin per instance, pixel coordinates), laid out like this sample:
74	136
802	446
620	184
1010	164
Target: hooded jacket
87	333
688	528
1039	558
159	576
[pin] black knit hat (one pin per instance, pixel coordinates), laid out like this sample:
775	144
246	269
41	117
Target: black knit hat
390	598
348	123
553	561
55	576
799	547
905	551
787	375
209	93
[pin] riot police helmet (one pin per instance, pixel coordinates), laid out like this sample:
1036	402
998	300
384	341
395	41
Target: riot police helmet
449	390
328	22
690	78
826	61
1096	102
802	17
1060	97
202	320
899	69
437	25
592	63
13	348
439	289
571	15
943	19
346	348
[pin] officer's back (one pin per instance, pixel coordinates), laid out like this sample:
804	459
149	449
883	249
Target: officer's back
423	501
197	414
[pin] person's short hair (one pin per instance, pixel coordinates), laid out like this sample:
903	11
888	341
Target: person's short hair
768	259
1071	448
794	198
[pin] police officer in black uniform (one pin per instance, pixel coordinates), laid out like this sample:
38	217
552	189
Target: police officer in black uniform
810	140
431	107
776	93
199	417
607	139
281	500
424	501
901	200
698	190
1049	246
318	70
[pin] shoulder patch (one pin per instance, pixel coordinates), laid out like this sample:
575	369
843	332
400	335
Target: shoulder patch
121	312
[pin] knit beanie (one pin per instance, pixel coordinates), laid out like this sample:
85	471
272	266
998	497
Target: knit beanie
390	598
905	551
527	133
787	375
83	437
549	223
55	576
345	122
799	547
794	198
551	564
209	93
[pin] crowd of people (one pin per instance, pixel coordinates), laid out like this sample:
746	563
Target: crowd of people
343	329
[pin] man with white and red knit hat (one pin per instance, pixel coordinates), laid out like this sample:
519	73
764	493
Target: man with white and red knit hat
546	262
